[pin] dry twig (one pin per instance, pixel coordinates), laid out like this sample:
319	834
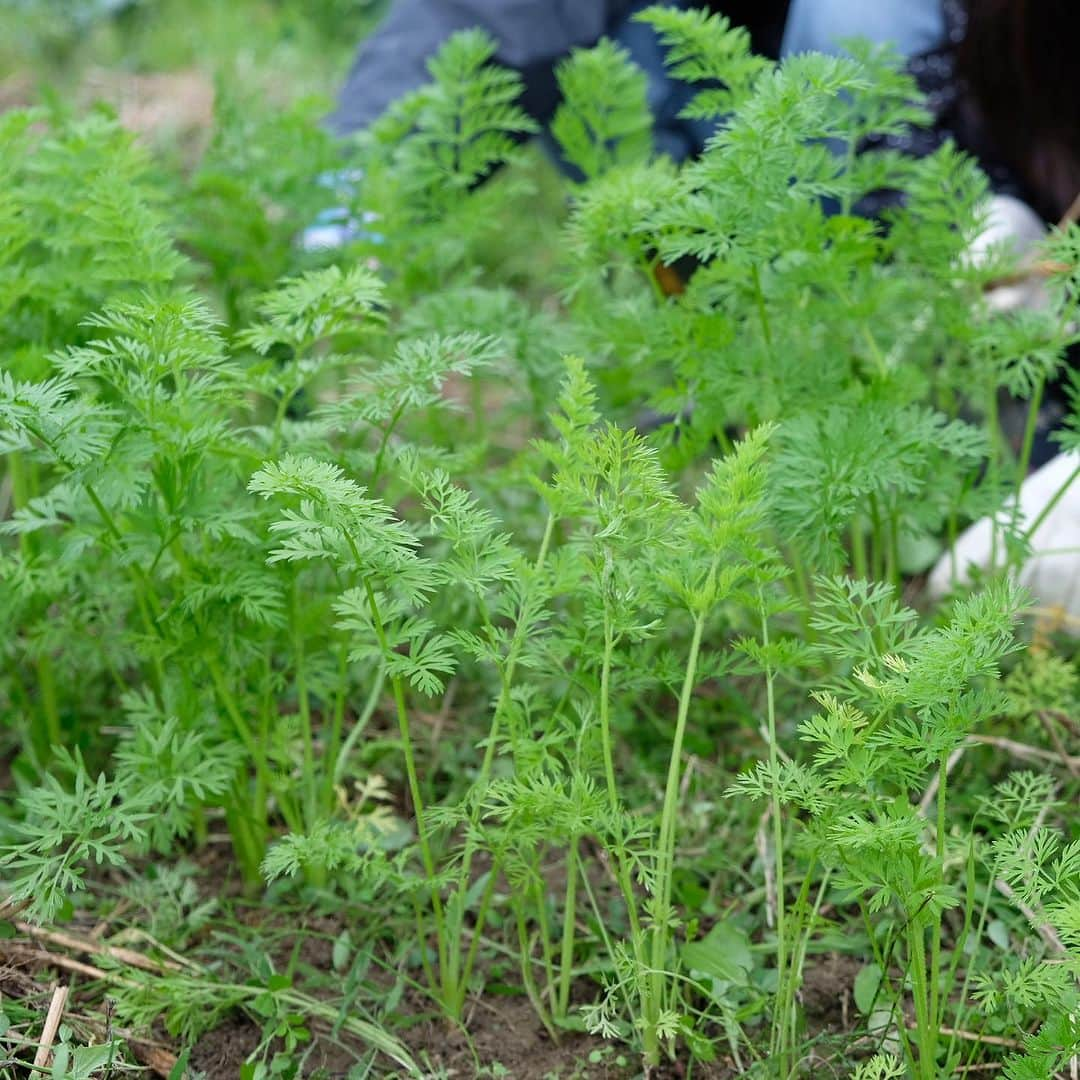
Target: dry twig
1072	764
97	948
52	1025
1022	750
1041	267
44	958
975	1036
1046	931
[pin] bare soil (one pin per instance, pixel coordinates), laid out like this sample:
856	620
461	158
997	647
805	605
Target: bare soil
504	1038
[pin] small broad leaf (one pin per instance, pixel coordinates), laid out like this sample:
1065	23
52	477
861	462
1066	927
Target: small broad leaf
342	950
724	953
865	991
998	933
61	1062
179	1070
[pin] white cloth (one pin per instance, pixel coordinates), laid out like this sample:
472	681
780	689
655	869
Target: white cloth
1012	224
1052	573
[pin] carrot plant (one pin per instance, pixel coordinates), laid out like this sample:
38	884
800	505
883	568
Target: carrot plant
350	560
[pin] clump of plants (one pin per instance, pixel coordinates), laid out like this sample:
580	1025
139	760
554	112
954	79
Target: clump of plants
367	571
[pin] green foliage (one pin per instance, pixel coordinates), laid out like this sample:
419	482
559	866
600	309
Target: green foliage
310	550
604	118
82	223
706	48
65	829
257	185
445	138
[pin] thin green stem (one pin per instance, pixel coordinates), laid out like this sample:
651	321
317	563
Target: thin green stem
257	751
143	592
412	776
517	641
648	1034
49	707
1043	514
283	403
525	948
993	464
1023	462
539	901
926	1031
785	1018
961	944
22	486
359	726
935	925
668	815
803	943
249	850
883	960
384	442
892	566
462	984
763	312
875	351
782	1048
801	590
651	988
650	1006
877	541
566	953
261	797
605	713
311	814
858	547
648	268
850	153
332	751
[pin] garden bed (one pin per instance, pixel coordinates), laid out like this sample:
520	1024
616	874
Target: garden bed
471	651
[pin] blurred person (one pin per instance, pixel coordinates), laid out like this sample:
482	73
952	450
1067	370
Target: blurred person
999	75
532	36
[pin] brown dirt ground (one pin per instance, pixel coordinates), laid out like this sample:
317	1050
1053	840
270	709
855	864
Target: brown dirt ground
174	103
503	1032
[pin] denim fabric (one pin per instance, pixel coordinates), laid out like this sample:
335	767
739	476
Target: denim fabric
913	26
672	134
